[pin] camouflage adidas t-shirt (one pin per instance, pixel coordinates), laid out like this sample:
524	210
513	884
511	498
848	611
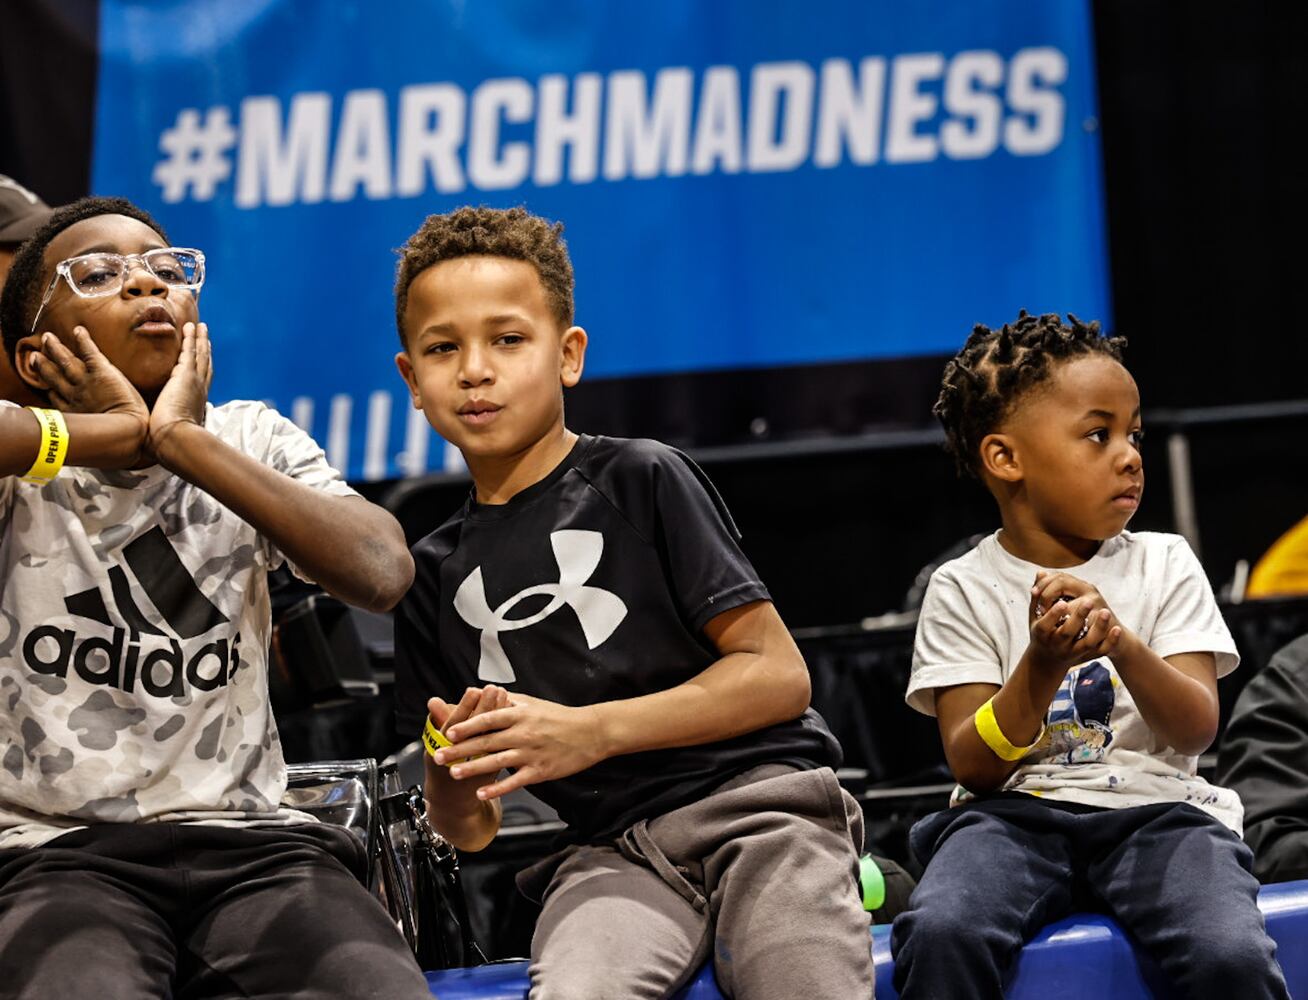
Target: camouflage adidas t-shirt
134	627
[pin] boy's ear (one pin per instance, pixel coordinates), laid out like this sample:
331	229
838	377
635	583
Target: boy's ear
405	366
572	356
26	349
999	457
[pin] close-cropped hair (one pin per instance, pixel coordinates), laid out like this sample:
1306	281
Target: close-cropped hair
494	232
24	288
985	380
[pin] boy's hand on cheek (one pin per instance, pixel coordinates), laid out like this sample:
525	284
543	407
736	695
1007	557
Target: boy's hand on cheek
182	399
1070	622
540	740
82	380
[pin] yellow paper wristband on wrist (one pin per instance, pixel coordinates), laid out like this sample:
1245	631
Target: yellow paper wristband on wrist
433	739
988	728
54	446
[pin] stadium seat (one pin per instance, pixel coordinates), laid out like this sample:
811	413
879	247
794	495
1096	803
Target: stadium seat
1083	957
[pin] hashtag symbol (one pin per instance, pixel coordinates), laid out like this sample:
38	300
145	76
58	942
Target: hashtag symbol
197	154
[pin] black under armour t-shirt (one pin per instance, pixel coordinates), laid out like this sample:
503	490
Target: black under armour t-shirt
592	585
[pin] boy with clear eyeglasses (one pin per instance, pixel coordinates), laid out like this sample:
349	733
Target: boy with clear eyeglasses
144	850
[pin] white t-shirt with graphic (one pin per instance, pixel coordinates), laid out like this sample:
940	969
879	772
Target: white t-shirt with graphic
134	628
1097	748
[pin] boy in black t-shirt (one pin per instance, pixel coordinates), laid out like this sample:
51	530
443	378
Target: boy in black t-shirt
600	634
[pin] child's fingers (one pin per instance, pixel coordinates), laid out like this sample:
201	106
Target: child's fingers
1074	616
204	354
1046	625
85	348
465	708
1097	631
61	357
55	378
485	722
188	344
520	778
485	764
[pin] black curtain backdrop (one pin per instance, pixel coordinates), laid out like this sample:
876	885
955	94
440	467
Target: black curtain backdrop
48	69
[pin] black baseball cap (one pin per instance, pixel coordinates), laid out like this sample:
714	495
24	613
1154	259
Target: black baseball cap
21	212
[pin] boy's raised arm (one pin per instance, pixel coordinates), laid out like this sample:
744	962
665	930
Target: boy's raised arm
350	547
105	417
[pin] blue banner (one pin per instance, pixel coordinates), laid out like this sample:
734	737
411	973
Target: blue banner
743	184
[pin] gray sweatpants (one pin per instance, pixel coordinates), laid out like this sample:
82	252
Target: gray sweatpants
762	874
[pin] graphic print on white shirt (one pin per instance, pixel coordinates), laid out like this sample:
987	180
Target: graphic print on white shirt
577	554
1098	750
1077	728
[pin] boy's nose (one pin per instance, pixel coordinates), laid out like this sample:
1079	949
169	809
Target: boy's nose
475	369
140	280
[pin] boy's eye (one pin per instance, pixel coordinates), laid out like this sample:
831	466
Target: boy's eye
444	347
511	338
1098	435
96	277
1137	436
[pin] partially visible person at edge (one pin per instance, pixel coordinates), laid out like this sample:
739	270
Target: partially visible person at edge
21	214
145	850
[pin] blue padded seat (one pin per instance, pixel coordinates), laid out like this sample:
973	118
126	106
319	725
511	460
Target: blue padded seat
1084	957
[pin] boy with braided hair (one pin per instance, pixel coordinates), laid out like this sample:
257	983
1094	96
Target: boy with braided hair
1072	668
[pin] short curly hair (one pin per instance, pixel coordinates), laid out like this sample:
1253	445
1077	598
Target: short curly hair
494	232
995	368
23	288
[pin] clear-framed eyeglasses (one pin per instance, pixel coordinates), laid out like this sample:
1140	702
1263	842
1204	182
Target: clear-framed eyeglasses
95	274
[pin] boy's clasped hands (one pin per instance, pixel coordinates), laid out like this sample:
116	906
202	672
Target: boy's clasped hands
1070	622
83	380
491	729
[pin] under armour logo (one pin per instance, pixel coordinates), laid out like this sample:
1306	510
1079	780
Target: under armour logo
577	554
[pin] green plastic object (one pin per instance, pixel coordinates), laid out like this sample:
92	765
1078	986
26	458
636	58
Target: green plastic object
873	882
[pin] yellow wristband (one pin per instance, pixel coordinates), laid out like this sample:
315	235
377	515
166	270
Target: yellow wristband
988	728
54	446
433	739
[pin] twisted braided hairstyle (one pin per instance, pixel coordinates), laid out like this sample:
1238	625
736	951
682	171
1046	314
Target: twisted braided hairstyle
995	368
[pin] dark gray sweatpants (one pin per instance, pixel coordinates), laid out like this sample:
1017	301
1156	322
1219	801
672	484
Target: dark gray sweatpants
761	875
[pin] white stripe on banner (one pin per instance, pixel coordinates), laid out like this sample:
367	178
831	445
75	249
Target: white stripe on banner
375	465
414	460
302	413
338	433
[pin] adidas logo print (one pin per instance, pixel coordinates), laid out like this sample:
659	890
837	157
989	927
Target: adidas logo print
121	661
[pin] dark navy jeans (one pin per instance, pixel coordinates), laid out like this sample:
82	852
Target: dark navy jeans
999	869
